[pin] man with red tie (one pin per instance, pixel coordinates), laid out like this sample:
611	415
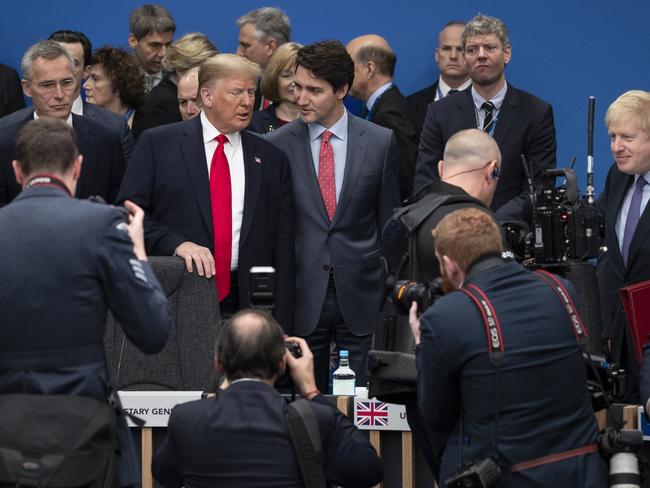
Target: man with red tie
344	172
218	196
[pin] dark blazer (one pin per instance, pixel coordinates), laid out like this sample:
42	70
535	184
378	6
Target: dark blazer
244	442
102	168
418	103
11	91
524	126
159	108
65	263
545	406
390	111
613	274
264	120
350	245
168	177
115	122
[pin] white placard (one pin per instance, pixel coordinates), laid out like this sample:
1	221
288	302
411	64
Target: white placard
154	407
371	414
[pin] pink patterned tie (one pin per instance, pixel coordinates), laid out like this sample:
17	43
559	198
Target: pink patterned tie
326	174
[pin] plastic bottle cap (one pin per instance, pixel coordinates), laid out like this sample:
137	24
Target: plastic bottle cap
343	353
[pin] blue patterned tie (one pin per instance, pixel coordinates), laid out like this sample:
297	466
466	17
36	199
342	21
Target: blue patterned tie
633	215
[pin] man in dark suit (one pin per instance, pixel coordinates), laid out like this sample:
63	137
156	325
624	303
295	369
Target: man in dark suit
80	49
453	73
520	123
50	82
623	205
345	189
244	440
11	93
65	263
216	195
533	381
374	68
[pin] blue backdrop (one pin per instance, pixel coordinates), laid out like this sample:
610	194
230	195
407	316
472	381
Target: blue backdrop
562	51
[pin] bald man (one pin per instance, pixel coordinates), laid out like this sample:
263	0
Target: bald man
374	67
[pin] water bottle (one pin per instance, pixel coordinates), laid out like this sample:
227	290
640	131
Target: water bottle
344	379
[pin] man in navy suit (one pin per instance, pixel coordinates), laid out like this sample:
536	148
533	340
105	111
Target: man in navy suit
11	93
520	122
526	403
344	172
218	196
244	440
50	82
623	205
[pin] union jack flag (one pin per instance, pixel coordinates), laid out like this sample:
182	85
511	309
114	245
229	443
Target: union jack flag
371	413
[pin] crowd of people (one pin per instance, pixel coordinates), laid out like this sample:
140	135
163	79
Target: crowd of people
235	160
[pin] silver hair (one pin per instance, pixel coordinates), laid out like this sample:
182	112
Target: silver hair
46	50
484	24
268	22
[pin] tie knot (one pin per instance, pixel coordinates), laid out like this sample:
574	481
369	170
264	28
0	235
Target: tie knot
326	136
452	91
640	182
487	106
221	139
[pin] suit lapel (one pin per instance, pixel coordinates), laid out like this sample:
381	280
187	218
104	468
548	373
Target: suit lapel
507	115
615	203
465	106
639	238
193	149
353	163
304	163
253	168
83	135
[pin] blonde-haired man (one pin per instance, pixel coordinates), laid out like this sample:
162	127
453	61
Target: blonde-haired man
218	196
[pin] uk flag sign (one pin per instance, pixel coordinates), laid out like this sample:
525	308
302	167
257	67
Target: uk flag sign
371	413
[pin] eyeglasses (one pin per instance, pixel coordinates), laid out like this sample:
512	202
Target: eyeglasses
496	172
50	85
487	48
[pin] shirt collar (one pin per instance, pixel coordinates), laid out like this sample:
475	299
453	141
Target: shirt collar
339	129
78	106
444	87
210	132
68	121
497	99
377	93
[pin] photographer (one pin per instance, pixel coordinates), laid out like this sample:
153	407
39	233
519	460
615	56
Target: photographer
525	403
241	436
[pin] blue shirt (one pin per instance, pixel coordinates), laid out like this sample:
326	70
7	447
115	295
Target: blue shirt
497	100
625	208
339	143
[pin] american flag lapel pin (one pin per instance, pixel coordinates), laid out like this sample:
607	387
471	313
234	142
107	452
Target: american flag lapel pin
258	160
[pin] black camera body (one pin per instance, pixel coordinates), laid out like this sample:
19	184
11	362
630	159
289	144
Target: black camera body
405	292
484	473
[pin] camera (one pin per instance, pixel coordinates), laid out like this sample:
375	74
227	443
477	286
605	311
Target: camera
621	446
294	349
405	292
262	288
484	473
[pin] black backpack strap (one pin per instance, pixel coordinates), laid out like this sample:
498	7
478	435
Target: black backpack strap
306	439
578	327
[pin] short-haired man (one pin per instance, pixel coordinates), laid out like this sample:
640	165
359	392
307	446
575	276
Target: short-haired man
244	438
453	73
344	172
188	94
261	32
65	263
520	122
623	205
218	196
374	68
151	30
80	49
525	404
48	78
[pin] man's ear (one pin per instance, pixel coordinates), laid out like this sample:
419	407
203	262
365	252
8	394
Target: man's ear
342	91
133	42
218	365
20	176
76	167
27	88
370	69
206	97
440	167
452	270
507	54
271	46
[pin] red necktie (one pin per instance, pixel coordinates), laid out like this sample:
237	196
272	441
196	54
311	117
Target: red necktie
326	174
221	198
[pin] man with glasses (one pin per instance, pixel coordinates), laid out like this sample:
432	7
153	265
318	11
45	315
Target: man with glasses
519	122
48	78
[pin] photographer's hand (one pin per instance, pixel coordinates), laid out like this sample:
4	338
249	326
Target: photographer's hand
135	229
414	322
302	369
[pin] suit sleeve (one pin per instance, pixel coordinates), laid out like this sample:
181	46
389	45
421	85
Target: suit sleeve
389	197
439	397
430	151
117	168
138	186
350	460
133	292
541	153
284	254
165	466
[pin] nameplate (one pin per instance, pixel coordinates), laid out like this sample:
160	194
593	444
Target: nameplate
371	414
154	407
